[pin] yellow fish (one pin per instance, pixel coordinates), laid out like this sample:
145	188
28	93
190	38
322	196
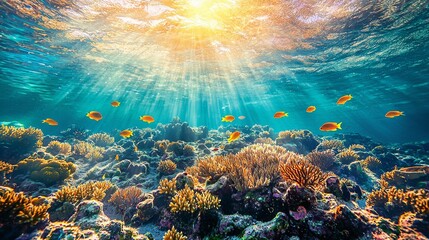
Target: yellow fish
117	157
126	133
330	126
50	122
115	104
234	136
136	148
392	114
103	177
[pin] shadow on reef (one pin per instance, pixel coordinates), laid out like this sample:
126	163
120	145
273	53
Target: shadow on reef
191	183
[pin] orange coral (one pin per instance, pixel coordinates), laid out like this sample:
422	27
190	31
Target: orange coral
167	187
166	167
207	201
86	191
324	160
124	199
184	201
56	147
101	139
347	156
372	163
330	144
212	167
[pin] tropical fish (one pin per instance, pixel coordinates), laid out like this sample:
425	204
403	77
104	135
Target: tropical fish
126	133
311	109
215	149
392	114
94	115
103	177
136	148
50	122
228	118
280	114
117	157
115	104
331	126
147	118
234	136
344	99
241	117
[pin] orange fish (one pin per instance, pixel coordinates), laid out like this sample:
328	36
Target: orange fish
330	126
311	109
147	118
115	104
392	114
117	157
241	117
234	136
344	99
50	122
94	115
136	148
280	114
126	133
228	118
215	149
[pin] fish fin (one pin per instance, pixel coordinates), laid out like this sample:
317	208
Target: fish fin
43	121
286	114
339	125
402	114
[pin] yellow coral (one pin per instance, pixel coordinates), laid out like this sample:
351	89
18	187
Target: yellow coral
5	167
330	144
212	167
96	154
188	150
324	160
161	146
101	139
347	156
357	146
184	201
56	147
20	141
207	201
126	198
86	191
81	149
166	167
298	170
173	234
167	186
372	163
48	172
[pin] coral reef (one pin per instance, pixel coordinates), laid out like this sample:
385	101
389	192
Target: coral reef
372	163
184	201
124	199
173	234
56	147
17	142
5	168
87	191
332	144
347	156
324	160
166	167
81	149
49	172
101	139
167	186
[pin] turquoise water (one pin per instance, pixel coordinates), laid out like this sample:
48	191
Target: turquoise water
61	60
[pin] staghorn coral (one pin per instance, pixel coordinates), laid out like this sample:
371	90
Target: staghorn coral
101	139
298	170
167	186
96	154
126	198
207	201
324	160
188	151
19	212
166	167
48	172
347	156
15	142
330	144
81	149
264	141
5	168
212	167
184	201
372	163
173	234
56	147
357	146
86	191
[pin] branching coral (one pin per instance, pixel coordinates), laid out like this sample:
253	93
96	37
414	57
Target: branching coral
96	154
188	150
126	198
86	191
18	141
372	163
161	146
81	149
56	147
330	144
264	141
184	201
324	160
212	167
347	156
167	186
101	139
207	201
176	148
48	172
298	170
357	146
18	212
5	168
166	167
173	234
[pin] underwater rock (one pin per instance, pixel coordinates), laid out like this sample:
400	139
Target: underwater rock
146	210
414	221
332	185
61	211
274	229
230	225
296	196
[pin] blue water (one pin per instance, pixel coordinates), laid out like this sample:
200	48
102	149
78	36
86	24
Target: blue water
61	60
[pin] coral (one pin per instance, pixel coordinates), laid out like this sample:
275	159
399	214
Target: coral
324	160
56	147
184	201
330	144
212	167
101	139
126	198
347	156
405	177
81	149
96	154
298	170
302	138
357	146
188	150
207	201
161	146
5	168
48	172
167	186
15	142
264	141
19	213
173	234
75	133
176	148
372	163
86	191
166	167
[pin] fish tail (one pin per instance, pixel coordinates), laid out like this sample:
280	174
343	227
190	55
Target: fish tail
223	119
402	114
43	121
339	125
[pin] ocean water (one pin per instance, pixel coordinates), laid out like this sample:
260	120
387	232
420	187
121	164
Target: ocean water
201	60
